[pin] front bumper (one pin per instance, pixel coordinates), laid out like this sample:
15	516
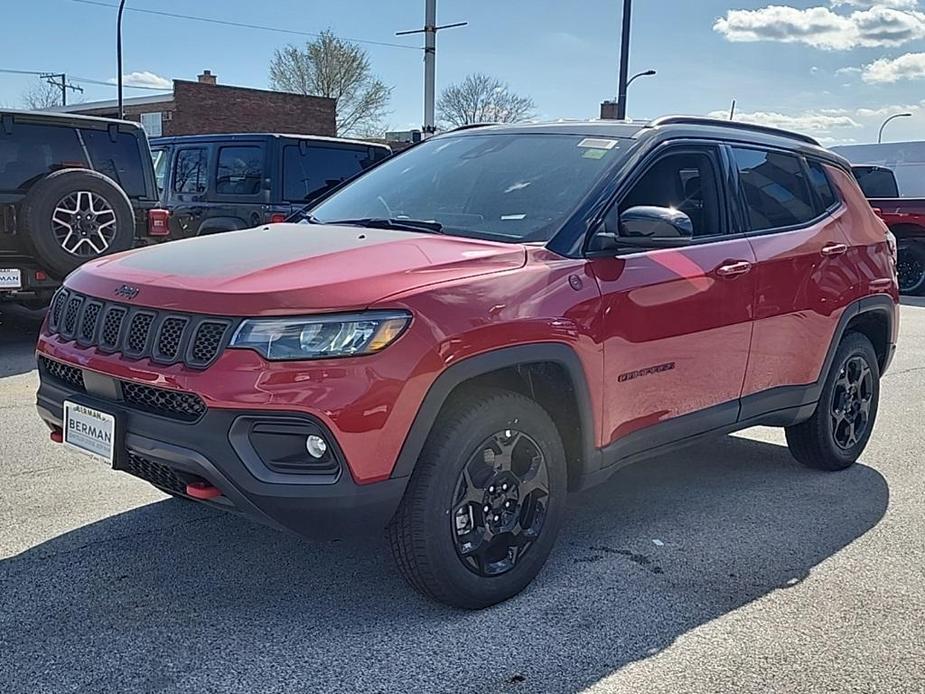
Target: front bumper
168	453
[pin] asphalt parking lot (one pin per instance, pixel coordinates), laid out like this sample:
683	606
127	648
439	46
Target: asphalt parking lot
726	567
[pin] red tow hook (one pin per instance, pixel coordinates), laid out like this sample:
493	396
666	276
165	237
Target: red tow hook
57	436
202	490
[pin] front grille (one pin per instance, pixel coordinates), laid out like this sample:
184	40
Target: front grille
208	340
64	373
137	333
179	405
157	474
176	404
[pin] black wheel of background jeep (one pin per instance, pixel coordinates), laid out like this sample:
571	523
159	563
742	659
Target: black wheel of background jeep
485	502
911	267
837	433
75	215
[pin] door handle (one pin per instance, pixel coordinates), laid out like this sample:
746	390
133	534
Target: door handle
834	249
733	269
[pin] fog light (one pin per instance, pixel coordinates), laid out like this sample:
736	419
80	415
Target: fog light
316	446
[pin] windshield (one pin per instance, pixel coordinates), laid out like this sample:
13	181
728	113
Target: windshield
509	187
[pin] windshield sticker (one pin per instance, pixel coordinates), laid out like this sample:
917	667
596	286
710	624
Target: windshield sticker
506	217
598	143
594	153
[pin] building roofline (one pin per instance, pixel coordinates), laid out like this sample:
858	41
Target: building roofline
111	103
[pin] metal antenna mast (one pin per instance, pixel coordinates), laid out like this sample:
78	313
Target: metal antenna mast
430	60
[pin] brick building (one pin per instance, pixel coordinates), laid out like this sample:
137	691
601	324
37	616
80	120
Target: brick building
204	106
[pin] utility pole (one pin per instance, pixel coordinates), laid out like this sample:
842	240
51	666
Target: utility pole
624	60
119	56
430	60
59	80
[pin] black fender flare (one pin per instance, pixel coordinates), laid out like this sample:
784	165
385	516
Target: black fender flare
480	364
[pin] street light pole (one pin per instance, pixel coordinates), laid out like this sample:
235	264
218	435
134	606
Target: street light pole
119	56
624	60
647	73
893	117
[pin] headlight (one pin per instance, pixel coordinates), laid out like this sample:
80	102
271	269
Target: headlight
321	337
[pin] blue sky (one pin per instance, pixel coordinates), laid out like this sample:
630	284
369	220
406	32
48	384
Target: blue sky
832	68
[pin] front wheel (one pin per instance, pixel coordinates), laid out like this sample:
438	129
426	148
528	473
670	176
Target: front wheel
837	433
485	502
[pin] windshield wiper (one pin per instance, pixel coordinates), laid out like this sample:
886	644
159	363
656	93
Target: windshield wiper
399	224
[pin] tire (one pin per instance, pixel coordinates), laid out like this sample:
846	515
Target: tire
911	267
426	536
831	439
95	209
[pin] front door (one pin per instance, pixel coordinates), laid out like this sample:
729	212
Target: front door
676	323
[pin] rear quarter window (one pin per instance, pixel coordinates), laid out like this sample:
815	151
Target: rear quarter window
309	172
120	160
819	180
30	152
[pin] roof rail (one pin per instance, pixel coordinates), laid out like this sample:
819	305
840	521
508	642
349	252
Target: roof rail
469	126
735	124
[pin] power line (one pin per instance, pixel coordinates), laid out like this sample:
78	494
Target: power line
40	73
240	25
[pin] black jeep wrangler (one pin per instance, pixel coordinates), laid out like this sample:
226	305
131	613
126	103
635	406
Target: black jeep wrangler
223	182
72	188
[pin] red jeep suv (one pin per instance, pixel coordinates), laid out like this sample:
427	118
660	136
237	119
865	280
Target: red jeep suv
448	344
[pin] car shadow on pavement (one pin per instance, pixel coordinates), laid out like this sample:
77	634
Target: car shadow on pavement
19	329
177	597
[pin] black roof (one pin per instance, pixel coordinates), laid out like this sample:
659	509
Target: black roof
60	118
678	126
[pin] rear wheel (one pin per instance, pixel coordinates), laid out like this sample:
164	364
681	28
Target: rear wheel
911	267
836	435
485	502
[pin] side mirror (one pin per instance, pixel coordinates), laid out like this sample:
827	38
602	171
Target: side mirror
654	227
645	227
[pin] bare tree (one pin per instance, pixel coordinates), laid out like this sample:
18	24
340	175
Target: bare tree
482	98
41	94
336	68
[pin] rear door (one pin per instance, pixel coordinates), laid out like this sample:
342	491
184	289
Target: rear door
188	185
803	280
676	323
238	186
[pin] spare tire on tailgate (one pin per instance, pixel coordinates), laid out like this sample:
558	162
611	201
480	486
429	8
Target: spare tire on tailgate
74	215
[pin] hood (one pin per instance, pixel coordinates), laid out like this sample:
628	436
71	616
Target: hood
290	268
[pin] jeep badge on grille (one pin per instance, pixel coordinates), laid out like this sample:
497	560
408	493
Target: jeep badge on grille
127	292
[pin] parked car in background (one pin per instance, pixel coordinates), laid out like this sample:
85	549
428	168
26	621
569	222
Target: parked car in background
214	183
906	219
455	339
72	189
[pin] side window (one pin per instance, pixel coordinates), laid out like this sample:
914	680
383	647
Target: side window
160	157
240	170
32	151
311	171
876	182
775	188
821	184
189	174
687	181
120	160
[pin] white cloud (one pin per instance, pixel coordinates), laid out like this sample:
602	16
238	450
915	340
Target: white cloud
848	71
879	24
895	4
144	79
822	120
910	66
